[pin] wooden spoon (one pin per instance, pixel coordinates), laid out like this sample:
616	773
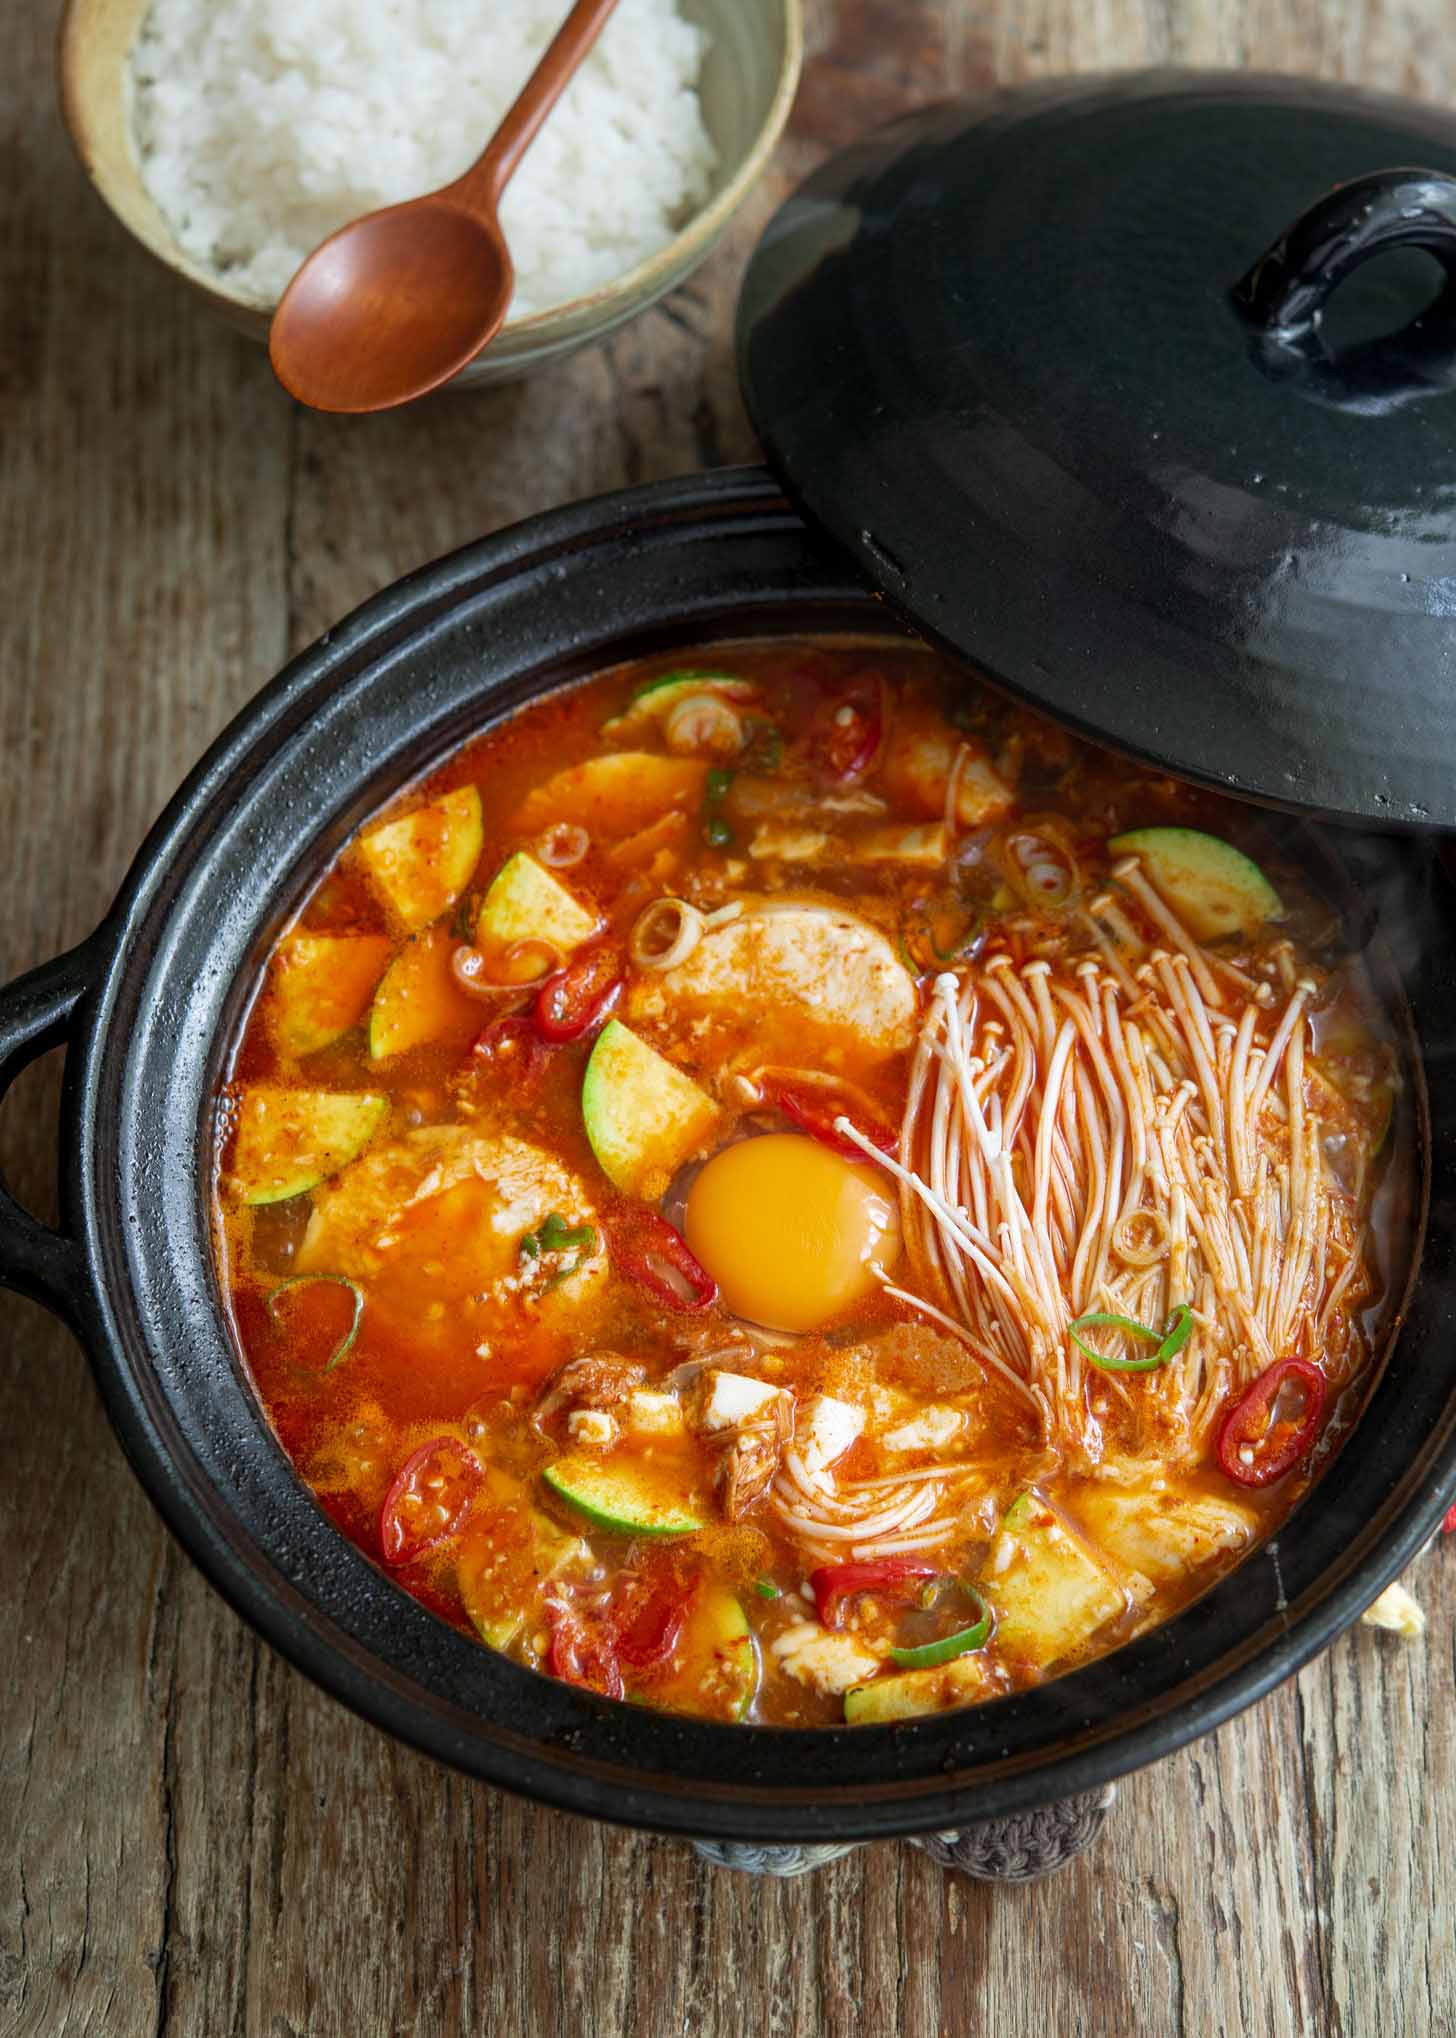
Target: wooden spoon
397	302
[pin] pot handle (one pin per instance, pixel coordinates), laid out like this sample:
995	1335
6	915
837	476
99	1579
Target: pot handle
1284	294
37	1012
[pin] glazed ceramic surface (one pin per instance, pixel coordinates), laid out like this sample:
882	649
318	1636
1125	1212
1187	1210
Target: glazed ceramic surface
148	1005
1059	369
748	85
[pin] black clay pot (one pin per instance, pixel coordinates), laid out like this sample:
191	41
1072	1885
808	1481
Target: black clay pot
148	1003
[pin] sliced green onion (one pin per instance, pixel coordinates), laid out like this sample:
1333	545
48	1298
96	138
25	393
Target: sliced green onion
1180	1329
931	1654
345	1345
555	1235
676	677
716	831
1170	1340
765	1588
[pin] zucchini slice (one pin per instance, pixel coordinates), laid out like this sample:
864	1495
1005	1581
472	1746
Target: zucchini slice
630	1496
319	986
714	1669
963	1681
659	697
510	1551
615	795
525	903
643	1116
419	1001
1051	1595
289	1141
423	861
1215	888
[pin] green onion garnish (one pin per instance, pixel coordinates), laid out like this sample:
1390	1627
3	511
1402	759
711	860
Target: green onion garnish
1170	1340
716	831
765	1588
345	1345
555	1235
930	1654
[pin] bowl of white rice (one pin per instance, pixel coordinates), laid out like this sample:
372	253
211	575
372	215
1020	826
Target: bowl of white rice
232	136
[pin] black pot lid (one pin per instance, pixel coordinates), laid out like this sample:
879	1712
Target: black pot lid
1058	367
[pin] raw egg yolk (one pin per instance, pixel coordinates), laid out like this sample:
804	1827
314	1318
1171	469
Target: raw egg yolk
790	1230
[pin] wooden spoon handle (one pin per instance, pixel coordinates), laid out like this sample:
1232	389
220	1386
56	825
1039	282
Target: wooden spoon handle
483	183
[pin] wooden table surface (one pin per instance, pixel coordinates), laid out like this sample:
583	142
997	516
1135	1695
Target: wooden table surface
193	1840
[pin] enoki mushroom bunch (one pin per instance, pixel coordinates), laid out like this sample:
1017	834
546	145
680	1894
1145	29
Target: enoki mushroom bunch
1079	1138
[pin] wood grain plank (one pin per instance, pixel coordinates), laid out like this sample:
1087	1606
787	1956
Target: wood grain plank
141	533
194	1843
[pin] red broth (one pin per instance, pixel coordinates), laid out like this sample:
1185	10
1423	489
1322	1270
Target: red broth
773	1186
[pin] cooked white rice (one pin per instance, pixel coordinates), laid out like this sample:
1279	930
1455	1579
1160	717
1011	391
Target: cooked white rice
263	125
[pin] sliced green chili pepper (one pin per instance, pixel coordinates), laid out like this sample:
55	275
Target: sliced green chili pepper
1170	1340
716	831
931	1654
345	1345
765	1588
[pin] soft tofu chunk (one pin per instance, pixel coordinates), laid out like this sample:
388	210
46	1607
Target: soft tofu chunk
1163	1535
925	848
735	1398
982	795
790	975
829	1662
652	1414
920	757
782	842
827	1428
445	1209
594	1427
1049	1593
928	1431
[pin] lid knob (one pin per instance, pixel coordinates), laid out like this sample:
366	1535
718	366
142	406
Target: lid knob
1284	295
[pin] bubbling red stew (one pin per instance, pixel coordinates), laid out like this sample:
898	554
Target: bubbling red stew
778	1186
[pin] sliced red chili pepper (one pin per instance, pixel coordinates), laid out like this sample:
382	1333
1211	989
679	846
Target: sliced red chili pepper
832	1584
582	1653
512	1043
652	1252
848	730
429	1499
652	1629
1449	1524
574	1000
1256	1444
815	1114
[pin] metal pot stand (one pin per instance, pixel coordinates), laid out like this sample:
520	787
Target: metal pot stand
1022	1848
